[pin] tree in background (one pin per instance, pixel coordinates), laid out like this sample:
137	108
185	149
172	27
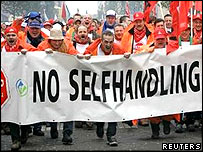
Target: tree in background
18	8
119	7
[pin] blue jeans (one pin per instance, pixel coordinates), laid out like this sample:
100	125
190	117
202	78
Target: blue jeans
111	129
67	126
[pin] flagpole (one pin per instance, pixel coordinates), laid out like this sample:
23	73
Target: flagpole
191	27
162	14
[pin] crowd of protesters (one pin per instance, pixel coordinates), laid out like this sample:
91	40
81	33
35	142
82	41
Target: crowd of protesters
84	37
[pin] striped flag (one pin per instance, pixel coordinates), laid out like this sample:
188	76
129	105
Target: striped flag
63	13
127	10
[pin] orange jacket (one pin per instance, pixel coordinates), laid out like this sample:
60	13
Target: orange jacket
69	33
68	48
128	38
21	45
93	48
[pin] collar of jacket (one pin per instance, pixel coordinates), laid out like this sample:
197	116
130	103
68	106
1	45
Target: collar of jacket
131	31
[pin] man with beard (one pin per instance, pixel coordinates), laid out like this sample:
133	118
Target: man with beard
100	47
136	36
13	44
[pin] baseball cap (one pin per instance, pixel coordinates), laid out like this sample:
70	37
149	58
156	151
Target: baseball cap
35	24
110	13
138	16
159	33
197	16
47	23
10	30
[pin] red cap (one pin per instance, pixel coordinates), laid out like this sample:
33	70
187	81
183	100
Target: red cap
51	20
47	23
138	16
159	33
70	21
197	16
10	30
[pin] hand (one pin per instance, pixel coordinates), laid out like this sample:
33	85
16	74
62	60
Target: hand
23	51
80	56
151	49
87	56
127	55
48	51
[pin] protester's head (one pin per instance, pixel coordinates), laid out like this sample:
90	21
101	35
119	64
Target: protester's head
56	38
33	16
94	25
3	26
77	23
34	28
185	35
107	41
197	21
77	16
152	19
11	36
125	20
138	19
110	17
47	25
168	20
82	32
119	31
160	38
70	22
87	20
159	23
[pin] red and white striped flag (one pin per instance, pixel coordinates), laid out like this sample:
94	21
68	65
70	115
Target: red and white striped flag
127	9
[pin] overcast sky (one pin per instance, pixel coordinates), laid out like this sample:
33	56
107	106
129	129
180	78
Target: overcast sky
90	6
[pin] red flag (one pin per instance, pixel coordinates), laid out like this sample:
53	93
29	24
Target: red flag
198	5
184	7
148	6
172	46
175	16
127	10
63	14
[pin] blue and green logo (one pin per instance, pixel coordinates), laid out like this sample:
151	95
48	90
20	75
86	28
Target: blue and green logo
21	87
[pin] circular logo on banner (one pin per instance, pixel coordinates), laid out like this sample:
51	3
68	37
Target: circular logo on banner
4	88
21	87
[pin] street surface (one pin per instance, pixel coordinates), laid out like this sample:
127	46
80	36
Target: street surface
129	139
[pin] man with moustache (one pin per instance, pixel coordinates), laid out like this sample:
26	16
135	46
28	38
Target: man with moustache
136	36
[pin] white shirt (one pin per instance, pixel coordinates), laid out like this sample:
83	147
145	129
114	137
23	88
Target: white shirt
100	52
143	41
81	47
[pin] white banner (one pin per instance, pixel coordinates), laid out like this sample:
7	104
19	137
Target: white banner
58	87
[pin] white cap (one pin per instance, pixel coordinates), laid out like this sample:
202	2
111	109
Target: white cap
111	13
23	24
